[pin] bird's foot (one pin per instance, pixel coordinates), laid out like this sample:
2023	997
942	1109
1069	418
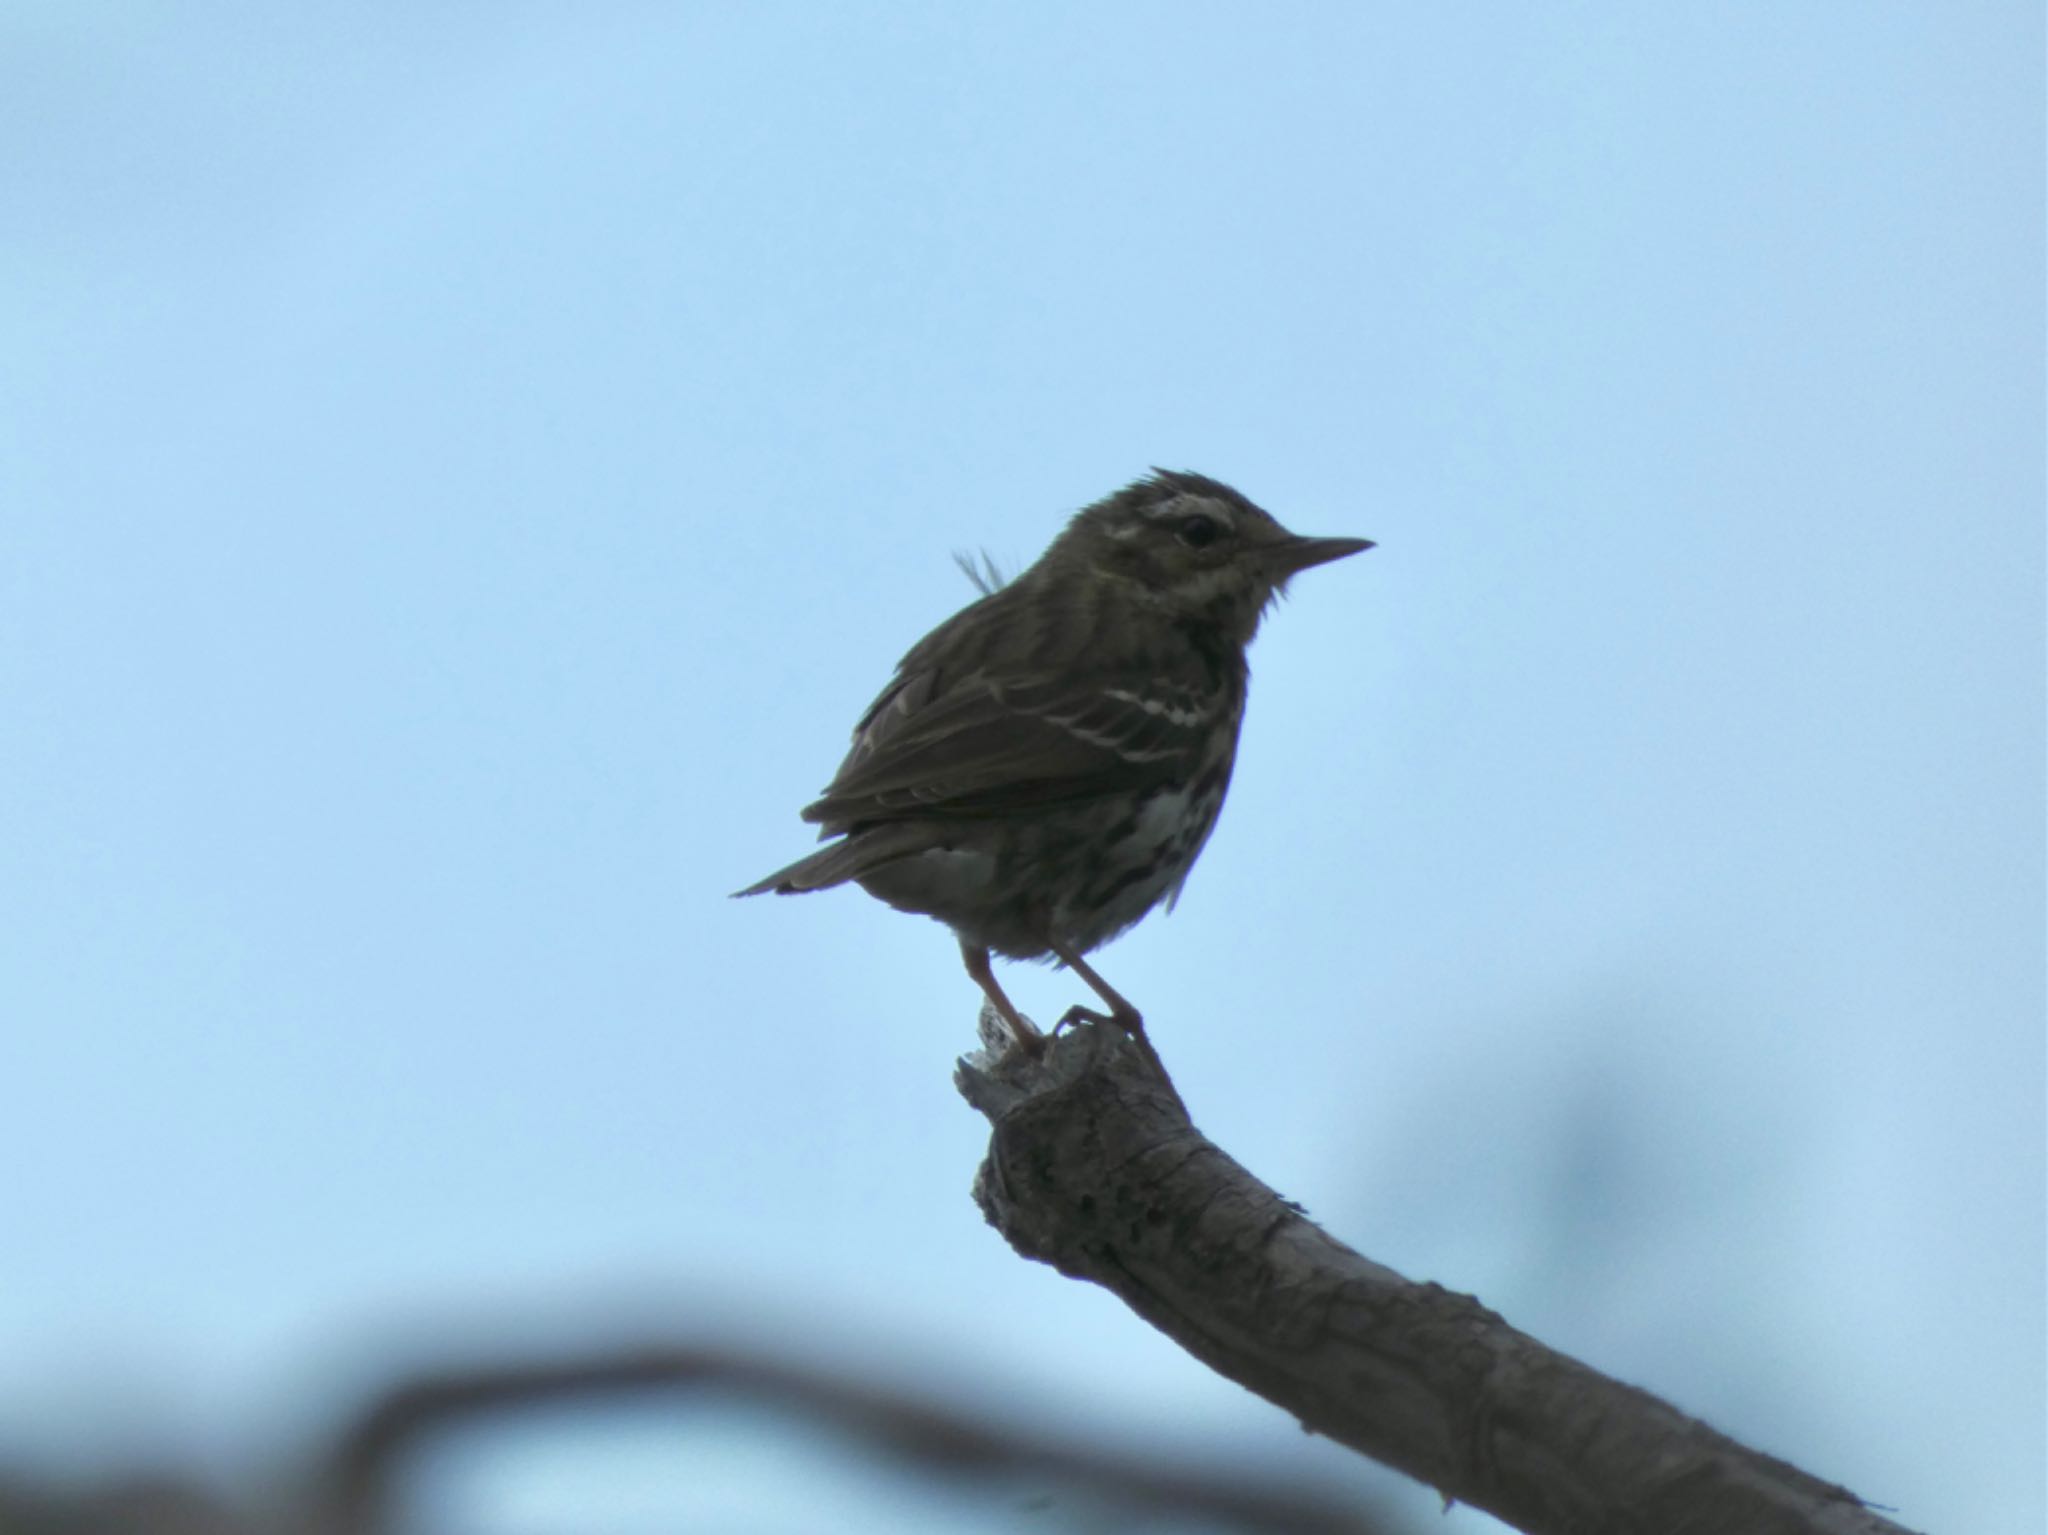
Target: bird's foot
1005	1031
1078	1014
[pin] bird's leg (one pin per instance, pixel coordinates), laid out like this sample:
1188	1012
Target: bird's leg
1028	1038
1121	1013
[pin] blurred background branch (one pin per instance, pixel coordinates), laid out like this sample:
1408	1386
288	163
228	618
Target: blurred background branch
1084	1485
364	1482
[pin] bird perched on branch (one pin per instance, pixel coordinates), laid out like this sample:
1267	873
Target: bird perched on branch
1046	764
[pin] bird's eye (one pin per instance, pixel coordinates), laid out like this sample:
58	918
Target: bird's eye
1198	531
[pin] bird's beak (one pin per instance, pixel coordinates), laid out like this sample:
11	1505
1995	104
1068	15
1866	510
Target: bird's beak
1294	554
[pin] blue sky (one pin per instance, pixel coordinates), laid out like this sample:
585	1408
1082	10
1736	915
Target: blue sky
464	470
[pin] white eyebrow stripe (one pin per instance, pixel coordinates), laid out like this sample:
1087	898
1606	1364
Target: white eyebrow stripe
1187	505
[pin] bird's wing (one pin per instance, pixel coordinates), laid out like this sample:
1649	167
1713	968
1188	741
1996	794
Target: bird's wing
983	744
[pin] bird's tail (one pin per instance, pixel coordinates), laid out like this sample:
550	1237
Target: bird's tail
848	858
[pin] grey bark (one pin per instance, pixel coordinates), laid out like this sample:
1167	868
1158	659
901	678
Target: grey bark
1094	1167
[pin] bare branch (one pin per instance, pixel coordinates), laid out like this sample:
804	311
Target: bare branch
1094	1168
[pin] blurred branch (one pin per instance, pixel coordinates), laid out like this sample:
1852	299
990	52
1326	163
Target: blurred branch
155	1502
1094	1168
359	1490
360	1479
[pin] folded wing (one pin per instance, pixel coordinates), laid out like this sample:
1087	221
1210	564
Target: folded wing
981	745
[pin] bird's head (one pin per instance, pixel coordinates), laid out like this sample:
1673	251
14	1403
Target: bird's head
1191	546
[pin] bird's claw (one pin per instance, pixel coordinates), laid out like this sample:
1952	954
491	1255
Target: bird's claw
1078	1014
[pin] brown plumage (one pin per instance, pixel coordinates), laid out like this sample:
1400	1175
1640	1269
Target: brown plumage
1045	766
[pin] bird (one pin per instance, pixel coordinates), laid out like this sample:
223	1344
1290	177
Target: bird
1045	766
